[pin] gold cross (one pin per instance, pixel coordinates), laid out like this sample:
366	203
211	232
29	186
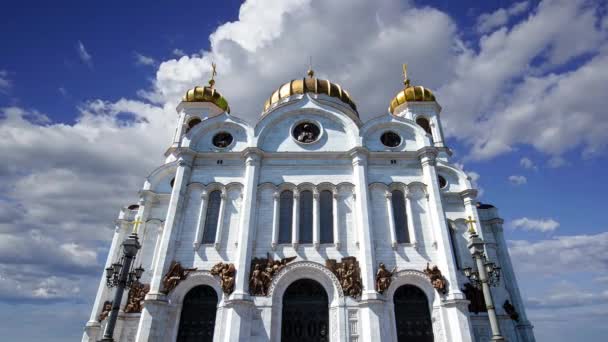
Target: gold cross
470	222
136	224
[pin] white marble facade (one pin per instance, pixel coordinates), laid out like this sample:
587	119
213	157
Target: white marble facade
348	159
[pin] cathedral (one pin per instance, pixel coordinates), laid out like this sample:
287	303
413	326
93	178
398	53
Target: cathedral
309	225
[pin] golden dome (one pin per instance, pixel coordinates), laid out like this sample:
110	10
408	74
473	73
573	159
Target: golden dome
207	94
410	93
310	84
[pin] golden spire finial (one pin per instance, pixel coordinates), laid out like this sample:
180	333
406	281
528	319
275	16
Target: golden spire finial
310	72
213	73
406	81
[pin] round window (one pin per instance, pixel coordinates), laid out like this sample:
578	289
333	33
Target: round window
390	139
306	132
442	182
222	139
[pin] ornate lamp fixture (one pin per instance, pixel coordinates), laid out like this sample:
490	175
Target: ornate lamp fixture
487	274
122	275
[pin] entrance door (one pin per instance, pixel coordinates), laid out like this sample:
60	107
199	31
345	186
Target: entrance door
412	316
197	320
305	313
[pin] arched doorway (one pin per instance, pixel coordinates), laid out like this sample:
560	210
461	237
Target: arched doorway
197	320
412	315
305	314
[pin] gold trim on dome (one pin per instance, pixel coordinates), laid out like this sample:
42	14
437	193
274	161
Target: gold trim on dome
310	84
410	93
207	93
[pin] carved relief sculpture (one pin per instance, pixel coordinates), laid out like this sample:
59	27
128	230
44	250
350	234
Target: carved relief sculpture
349	275
384	278
475	296
105	310
510	310
262	271
226	272
135	300
437	279
175	275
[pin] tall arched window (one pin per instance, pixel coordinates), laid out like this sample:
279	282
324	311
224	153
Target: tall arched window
327	216
305	217
400	216
454	244
424	123
212	216
285	216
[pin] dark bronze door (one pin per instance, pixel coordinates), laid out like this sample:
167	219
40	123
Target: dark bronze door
305	313
197	320
412	316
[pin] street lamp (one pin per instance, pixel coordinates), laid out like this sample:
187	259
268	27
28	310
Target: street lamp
120	275
487	274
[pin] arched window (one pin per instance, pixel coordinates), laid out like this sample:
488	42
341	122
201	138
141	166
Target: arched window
400	216
454	244
327	217
193	122
305	217
212	216
424	123
285	216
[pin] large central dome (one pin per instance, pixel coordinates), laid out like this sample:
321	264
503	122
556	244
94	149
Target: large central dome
313	85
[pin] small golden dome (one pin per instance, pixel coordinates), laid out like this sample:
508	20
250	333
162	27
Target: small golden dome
207	94
410	93
310	84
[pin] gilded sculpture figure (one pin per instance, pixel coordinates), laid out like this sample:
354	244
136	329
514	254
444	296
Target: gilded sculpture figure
349	275
175	275
105	310
383	278
135	300
262	272
226	273
437	279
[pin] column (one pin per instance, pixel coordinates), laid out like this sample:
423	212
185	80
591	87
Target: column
391	219
220	220
200	223
371	305
411	229
237	310
155	306
316	219
454	303
295	229
335	214
275	219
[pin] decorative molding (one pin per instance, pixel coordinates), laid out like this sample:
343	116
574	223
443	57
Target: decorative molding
305	265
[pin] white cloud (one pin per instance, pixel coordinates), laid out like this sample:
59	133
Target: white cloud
556	161
5	83
518	180
527	163
84	54
489	21
561	255
178	52
540	225
144	60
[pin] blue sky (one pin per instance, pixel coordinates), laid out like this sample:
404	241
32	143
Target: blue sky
87	98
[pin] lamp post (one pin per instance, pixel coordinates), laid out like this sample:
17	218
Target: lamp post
120	275
487	274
